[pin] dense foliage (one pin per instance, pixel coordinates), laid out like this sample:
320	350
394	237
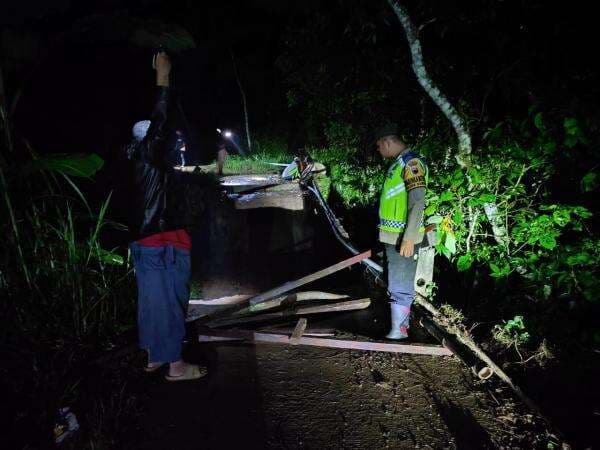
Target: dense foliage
64	296
534	172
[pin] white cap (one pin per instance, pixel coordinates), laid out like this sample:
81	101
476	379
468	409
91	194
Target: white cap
140	129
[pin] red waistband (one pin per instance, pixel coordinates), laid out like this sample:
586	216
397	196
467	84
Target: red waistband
177	238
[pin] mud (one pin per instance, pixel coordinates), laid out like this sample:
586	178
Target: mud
275	397
284	397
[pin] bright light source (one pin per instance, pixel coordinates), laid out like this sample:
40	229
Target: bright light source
227	134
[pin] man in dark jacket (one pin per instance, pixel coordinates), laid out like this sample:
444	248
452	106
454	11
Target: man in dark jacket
161	248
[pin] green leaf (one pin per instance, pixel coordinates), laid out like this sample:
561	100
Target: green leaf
495	268
457	218
77	165
446	196
590	182
582	212
474	201
515	323
464	262
110	257
429	210
499	272
450	243
561	217
487	198
475	176
457	178
579	258
571	125
547	241
435	219
443	250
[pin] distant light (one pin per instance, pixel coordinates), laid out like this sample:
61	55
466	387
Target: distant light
227	134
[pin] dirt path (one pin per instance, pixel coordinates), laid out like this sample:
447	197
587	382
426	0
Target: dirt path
280	397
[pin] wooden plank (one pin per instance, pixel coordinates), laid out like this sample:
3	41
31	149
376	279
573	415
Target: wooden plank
306	296
209	338
310	331
286	287
273	303
350	305
296	297
298	331
257	337
335	307
229	300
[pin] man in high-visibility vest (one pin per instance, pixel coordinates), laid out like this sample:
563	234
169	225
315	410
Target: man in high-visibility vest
401	223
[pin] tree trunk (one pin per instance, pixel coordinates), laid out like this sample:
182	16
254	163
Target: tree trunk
464	138
237	78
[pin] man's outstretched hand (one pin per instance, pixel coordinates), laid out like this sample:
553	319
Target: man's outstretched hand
162	65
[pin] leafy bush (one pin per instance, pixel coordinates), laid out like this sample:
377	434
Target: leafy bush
64	275
512	332
357	184
64	296
539	236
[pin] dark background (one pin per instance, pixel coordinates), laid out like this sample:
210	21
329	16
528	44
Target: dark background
82	86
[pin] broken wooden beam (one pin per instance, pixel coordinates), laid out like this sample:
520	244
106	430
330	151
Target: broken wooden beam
350	305
464	338
479	370
257	337
295	297
286	287
228	300
310	330
298	331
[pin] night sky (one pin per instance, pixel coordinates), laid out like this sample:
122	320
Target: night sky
84	82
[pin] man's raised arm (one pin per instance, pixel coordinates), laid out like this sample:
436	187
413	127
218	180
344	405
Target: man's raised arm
153	145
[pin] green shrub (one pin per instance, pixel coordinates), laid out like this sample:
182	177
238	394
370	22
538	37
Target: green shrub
547	244
512	333
357	184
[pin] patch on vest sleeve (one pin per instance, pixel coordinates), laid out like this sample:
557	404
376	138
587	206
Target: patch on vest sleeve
414	175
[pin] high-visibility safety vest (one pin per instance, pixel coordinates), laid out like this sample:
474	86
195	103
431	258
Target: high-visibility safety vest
393	203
